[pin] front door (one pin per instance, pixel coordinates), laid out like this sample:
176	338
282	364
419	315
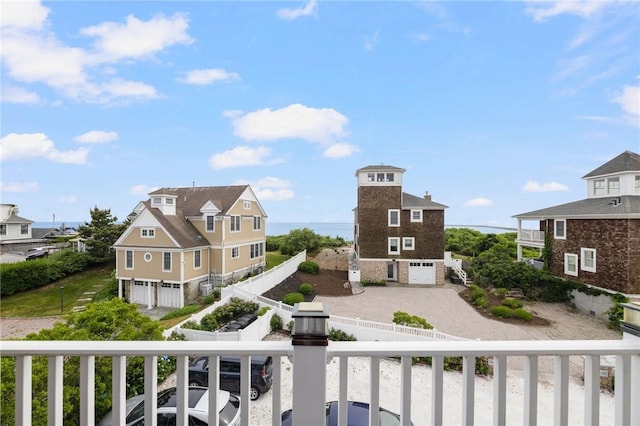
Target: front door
392	271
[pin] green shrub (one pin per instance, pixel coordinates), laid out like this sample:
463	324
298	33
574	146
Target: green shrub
209	322
185	310
403	318
481	302
373	283
501	311
191	325
209	299
306	288
477	293
340	336
513	303
262	311
309	267
290	326
521	314
293	298
502	291
276	322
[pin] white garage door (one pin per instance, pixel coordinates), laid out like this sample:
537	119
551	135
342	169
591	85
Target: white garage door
422	273
169	295
140	293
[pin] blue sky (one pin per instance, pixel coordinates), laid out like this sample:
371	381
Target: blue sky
494	108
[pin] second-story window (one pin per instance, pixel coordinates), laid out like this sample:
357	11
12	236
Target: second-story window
24	229
257	223
598	187
128	262
235	223
211	225
416	215
636	187
166	261
3	229
613	186
559	228
394	217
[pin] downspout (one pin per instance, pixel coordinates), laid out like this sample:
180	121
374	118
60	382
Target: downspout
182	278
223	258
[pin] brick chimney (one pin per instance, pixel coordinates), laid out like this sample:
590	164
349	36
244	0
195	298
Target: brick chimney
427	196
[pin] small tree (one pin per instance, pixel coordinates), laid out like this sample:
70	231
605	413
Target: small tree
101	234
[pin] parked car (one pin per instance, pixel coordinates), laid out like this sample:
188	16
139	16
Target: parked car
239	323
357	415
261	374
198	409
36	253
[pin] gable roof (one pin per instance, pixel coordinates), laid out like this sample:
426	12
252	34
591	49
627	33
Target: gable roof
412	202
190	200
627	206
626	162
16	219
182	231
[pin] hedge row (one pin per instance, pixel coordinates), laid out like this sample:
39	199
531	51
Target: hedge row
23	276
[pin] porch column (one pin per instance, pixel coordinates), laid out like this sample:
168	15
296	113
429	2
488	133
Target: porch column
149	301
120	288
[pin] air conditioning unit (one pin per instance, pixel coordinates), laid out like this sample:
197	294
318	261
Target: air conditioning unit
205	289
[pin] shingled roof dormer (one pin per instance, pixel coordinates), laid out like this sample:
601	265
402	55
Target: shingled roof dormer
617	177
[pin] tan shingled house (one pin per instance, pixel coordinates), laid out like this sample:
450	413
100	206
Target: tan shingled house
184	241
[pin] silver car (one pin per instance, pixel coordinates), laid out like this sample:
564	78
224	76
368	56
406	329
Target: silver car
198	408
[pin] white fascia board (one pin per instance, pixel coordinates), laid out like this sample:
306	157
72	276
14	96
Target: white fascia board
209	207
249	195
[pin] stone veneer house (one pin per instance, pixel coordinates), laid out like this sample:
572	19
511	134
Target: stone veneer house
595	241
398	236
183	241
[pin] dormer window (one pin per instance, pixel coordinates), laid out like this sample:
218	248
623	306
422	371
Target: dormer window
389	177
636	187
613	186
598	187
371	177
169	201
156	201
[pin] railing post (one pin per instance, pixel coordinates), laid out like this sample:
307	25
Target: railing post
310	341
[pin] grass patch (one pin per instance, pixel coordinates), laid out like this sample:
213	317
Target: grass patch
274	258
46	301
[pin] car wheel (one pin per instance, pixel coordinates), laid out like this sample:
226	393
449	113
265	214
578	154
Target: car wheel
254	393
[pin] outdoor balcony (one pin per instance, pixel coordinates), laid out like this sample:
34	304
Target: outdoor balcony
309	377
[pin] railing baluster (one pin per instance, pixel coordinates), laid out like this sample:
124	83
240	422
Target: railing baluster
213	370
468	389
119	396
405	390
374	391
182	390
530	412
623	390
342	392
561	390
87	390
634	394
54	389
276	391
437	372
499	390
592	390
151	390
24	395
245	384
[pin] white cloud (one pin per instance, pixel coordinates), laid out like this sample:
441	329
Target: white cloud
119	88
68	199
96	136
208	76
17	95
532	186
142	189
545	10
34	145
629	101
19	187
479	202
23	14
340	150
421	37
241	156
321	125
370	42
137	38
271	188
291	14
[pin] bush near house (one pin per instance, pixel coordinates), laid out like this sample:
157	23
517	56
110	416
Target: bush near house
306	288
501	311
403	318
522	314
276	322
293	298
513	303
309	267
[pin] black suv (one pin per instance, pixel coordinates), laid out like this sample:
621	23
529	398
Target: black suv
261	374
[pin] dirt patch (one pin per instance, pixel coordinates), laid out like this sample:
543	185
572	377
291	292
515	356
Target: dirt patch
495	300
326	283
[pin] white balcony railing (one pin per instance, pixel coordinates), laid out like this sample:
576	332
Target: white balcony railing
531	235
309	376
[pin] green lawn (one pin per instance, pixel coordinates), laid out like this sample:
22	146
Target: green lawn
47	300
274	258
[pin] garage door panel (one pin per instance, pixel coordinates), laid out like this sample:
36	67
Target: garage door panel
422	273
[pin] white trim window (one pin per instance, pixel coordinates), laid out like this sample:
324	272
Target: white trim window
408	243
235	252
571	264
416	215
560	229
636	186
394	245
371	177
3	229
598	187
394	217
210	223
613	186
257	250
235	223
257	223
197	259
588	259
166	261
147	233
128	259
246	205
24	229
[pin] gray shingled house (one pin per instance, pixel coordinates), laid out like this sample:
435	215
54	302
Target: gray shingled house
594	241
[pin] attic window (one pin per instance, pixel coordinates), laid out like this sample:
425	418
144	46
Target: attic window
613	186
148	233
169	201
246	205
371	177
